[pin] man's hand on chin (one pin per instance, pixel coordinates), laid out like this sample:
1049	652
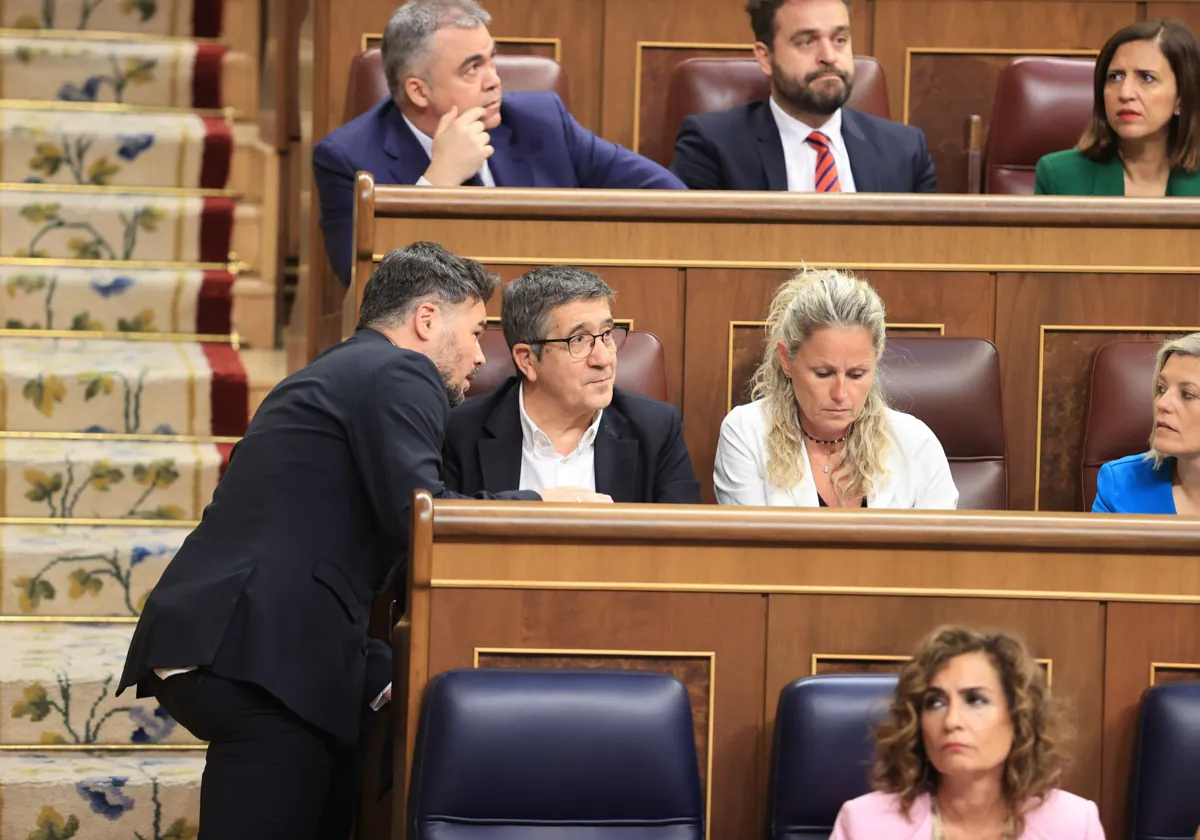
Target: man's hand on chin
460	146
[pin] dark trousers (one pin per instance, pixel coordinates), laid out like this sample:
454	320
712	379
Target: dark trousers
268	774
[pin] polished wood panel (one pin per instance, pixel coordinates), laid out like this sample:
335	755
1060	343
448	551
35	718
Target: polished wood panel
626	22
776	594
990	24
1137	636
655	63
1117	304
1069	635
946	86
728	625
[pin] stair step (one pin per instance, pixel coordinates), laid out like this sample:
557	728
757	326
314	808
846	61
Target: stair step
123	387
82	570
106	796
117	300
95	225
57	685
135	150
145	73
195	18
109	479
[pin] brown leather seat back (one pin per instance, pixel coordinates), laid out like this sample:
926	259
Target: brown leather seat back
641	364
705	85
1120	410
953	385
1042	105
368	84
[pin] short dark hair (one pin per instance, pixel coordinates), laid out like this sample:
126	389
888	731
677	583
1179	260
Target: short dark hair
1182	51
529	300
419	272
762	18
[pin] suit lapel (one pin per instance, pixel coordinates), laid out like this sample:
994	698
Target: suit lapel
500	447
861	153
509	162
408	159
616	458
770	147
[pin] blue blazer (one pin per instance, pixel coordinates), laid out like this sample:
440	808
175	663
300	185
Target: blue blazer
537	144
740	149
1132	485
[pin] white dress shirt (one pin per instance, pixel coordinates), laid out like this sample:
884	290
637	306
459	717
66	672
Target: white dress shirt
801	158
542	467
918	472
485	174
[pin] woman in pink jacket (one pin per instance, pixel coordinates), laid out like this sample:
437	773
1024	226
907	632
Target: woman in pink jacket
972	749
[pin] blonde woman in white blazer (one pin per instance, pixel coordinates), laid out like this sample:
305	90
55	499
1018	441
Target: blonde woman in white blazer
819	433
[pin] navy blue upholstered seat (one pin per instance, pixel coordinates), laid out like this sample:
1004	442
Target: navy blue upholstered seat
824	749
555	755
1164	804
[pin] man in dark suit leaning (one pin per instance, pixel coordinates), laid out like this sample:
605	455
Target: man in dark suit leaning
801	139
560	420
255	639
446	124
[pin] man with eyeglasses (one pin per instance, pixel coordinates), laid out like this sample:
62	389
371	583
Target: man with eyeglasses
560	420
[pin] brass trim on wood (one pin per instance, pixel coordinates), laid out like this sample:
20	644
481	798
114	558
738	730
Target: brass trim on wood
665	45
884	657
772	589
94	522
102	35
1155	667
51	263
941	328
710	655
118	436
1041	369
68	619
368	37
909	52
84	748
228	113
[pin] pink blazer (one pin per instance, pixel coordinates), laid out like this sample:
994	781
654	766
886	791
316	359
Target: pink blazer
876	816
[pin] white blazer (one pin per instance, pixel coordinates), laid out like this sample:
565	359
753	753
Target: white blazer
918	472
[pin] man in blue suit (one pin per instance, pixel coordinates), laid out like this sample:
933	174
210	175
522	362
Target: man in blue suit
801	138
446	124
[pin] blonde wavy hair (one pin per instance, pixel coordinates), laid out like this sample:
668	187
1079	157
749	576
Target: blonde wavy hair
1188	345
811	300
1037	760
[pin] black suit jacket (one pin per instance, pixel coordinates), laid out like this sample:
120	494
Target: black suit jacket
740	149
640	455
275	585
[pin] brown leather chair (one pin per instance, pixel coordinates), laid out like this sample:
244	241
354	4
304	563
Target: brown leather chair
704	85
953	385
1042	105
368	84
1120	410
642	365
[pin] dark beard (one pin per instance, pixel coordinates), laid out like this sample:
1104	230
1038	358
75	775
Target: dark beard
454	393
803	98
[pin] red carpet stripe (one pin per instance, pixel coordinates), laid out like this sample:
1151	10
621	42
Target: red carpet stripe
214	312
206	76
218	153
230	390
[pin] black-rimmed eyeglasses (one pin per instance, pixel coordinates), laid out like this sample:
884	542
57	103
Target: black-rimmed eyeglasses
582	346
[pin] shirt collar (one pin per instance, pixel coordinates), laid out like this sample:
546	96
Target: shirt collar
792	127
534	439
424	139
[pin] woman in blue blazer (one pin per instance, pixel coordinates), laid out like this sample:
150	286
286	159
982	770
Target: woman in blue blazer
1167	478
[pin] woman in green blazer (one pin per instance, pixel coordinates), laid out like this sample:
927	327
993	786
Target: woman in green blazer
1144	138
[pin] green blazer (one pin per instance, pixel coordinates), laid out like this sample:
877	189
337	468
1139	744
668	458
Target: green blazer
1070	173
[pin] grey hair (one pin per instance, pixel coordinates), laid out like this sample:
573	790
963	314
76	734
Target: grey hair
530	299
419	272
811	300
408	34
1188	345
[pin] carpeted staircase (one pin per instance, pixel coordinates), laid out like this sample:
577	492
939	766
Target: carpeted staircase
134	267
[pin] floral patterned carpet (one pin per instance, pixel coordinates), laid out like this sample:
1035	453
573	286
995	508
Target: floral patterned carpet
122	390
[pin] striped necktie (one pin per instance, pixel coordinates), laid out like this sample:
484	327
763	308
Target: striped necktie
826	173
